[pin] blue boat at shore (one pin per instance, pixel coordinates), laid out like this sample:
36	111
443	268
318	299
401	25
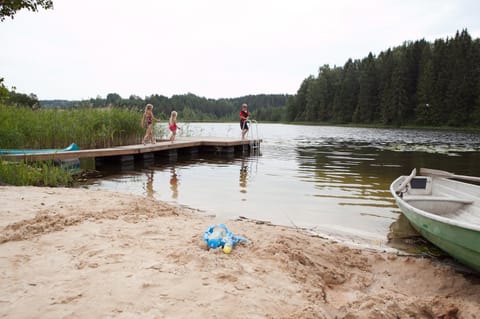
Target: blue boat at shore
71	147
72	164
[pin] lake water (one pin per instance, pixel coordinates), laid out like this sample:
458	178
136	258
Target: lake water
333	180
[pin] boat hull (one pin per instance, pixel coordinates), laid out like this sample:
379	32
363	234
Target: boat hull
71	147
446	212
461	243
71	165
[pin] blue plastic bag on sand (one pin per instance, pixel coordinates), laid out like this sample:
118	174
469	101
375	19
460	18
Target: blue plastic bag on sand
219	236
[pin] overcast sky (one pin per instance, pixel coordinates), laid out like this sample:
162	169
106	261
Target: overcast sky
211	48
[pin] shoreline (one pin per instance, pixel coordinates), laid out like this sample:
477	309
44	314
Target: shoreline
77	253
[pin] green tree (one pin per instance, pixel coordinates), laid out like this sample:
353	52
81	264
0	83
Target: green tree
296	107
346	99
368	92
113	99
463	81
3	92
411	60
320	95
313	97
20	99
401	98
425	88
386	66
291	110
8	8
476	110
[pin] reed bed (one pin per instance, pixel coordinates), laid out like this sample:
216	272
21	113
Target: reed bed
24	128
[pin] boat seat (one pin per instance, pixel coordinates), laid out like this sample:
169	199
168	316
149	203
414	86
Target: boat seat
409	198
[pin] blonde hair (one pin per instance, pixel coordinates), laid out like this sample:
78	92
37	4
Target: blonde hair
147	107
173	117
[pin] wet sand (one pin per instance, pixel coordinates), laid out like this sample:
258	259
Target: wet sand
77	253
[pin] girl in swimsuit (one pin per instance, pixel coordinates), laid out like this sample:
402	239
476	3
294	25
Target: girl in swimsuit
172	125
147	123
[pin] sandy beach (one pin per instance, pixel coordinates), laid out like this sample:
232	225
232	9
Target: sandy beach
77	253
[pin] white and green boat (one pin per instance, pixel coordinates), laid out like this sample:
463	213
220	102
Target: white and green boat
444	210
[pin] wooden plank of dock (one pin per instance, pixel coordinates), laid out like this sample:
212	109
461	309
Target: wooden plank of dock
179	143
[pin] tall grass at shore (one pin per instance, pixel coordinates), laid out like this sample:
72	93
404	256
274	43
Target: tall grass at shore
24	128
36	174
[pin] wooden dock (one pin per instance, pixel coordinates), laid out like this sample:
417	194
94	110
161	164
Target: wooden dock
161	148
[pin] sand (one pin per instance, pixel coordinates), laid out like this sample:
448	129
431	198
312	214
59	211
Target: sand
77	253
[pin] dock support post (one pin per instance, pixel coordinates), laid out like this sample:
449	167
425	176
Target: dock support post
145	160
125	162
172	155
148	156
225	149
191	152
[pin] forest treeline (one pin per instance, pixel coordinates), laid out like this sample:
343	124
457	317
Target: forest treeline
417	83
266	107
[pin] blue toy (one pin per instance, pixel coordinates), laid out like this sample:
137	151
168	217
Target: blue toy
219	236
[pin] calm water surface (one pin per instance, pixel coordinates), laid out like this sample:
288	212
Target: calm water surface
333	180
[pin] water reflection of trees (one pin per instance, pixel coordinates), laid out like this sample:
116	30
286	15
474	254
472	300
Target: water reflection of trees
346	163
354	174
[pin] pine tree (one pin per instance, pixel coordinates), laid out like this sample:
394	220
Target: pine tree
368	92
346	99
425	89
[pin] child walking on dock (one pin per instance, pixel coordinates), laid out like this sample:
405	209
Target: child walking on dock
172	125
147	123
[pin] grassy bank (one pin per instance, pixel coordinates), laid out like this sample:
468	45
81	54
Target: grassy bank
33	174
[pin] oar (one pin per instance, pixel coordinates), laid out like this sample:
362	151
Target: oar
439	173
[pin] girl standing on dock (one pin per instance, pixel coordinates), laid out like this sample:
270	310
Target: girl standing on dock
172	125
147	123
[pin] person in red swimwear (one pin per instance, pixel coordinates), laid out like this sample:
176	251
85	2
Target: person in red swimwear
172	125
244	117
